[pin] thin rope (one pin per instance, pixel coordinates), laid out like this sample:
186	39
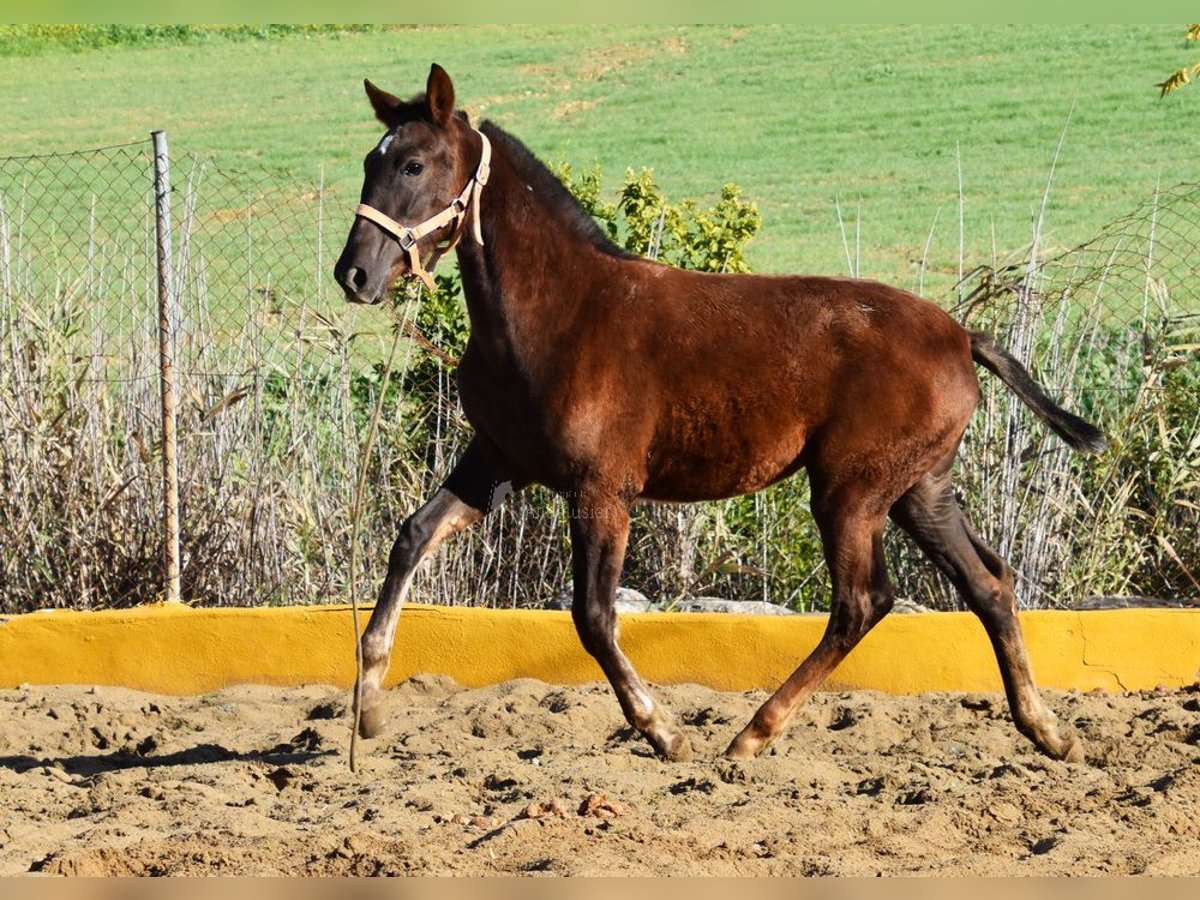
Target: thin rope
355	531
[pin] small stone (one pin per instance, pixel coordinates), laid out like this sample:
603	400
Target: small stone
627	601
542	808
601	807
1004	812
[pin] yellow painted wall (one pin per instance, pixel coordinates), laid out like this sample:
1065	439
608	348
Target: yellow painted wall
179	650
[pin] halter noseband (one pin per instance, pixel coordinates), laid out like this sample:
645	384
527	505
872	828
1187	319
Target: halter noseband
456	212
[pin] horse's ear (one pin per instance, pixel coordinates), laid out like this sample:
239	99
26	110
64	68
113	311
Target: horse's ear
439	95
385	105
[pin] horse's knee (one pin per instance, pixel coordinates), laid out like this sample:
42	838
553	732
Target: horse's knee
409	544
423	531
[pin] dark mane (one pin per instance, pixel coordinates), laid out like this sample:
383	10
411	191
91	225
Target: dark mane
552	191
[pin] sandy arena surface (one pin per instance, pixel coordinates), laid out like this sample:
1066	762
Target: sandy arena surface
527	777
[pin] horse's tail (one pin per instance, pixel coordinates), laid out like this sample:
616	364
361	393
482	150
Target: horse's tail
1079	435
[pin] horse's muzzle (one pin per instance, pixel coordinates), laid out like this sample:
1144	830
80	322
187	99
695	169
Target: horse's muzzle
358	278
353	281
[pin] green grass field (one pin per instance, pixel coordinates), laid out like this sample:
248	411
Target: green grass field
276	384
881	117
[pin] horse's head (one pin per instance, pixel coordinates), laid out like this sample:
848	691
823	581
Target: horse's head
420	181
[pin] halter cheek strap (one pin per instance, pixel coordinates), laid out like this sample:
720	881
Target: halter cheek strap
455	213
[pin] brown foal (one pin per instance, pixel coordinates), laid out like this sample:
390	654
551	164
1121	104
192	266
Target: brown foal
613	379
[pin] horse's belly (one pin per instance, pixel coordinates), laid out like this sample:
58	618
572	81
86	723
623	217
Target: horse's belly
721	467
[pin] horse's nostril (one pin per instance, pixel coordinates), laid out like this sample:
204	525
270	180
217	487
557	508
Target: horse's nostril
353	281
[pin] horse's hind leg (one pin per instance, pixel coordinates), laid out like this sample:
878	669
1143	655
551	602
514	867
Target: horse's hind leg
931	515
599	533
474	487
862	595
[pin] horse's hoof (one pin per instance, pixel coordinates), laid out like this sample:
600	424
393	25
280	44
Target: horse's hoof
371	717
745	746
370	722
1071	750
1061	742
677	748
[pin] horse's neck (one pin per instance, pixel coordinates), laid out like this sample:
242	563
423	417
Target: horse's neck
519	290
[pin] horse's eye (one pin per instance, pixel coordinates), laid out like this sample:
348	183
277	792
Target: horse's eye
413	168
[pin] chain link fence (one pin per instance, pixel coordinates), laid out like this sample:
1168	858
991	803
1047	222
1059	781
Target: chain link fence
276	379
78	379
1113	326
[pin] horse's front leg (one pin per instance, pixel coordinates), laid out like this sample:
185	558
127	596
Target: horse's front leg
599	533
473	489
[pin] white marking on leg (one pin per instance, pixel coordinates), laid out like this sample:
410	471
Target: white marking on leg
377	644
645	701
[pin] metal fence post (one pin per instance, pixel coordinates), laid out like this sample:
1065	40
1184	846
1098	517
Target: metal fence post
167	319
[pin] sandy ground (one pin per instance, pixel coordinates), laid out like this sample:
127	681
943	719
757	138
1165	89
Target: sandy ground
527	777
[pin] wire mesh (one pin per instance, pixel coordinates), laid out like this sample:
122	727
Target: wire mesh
77	239
78	379
1111	327
278	375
